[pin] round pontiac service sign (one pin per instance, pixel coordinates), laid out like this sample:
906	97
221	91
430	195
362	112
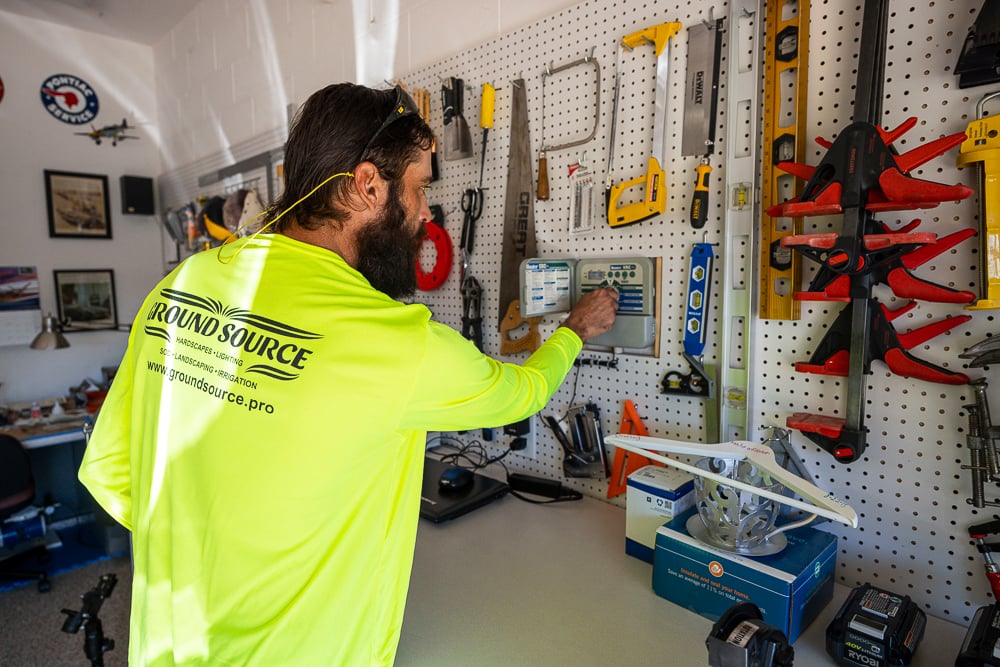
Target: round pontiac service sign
70	99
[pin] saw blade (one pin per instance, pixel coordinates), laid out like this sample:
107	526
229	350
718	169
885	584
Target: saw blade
701	87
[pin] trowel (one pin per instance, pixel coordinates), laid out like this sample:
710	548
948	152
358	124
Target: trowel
457	137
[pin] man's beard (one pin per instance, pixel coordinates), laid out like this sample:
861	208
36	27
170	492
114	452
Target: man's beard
387	252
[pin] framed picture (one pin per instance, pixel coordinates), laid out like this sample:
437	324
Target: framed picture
78	205
85	299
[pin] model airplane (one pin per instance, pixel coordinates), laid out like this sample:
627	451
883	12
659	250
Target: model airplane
113	132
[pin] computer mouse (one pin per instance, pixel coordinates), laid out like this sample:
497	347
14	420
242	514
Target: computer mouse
455	479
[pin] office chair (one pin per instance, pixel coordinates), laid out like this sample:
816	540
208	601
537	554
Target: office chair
17	491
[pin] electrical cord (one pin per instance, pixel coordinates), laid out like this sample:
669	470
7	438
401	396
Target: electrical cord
474	456
570	496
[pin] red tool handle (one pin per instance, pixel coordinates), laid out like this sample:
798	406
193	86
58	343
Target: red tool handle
994	578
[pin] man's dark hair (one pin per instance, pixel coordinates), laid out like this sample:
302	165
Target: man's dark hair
328	136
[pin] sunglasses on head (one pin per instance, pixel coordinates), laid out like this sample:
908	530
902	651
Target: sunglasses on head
403	107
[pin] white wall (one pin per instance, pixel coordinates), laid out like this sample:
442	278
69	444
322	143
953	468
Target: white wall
228	71
31	141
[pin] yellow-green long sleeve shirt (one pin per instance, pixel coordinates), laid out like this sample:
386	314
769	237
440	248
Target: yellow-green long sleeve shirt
264	439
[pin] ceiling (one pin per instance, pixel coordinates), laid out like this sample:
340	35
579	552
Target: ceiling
142	21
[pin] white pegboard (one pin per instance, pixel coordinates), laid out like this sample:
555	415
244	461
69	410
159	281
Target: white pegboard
909	487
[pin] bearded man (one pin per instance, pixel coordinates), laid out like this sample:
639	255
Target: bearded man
264	436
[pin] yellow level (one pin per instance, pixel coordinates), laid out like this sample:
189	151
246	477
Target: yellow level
786	56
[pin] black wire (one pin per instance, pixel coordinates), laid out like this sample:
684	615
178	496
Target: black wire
476	457
473	454
572	495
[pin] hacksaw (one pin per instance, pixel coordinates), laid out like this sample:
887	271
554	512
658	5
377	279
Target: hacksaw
654	201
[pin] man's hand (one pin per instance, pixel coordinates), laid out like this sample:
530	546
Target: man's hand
594	313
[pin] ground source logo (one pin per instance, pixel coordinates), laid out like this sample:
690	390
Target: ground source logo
70	99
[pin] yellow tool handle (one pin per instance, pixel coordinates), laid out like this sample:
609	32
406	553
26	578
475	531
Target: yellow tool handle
699	205
654	200
486	110
657	35
542	192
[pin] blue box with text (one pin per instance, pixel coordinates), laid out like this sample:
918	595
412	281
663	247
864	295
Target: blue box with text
790	587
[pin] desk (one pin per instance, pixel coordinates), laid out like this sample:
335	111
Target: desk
514	583
46	433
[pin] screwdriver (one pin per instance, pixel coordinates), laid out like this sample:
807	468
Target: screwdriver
486	122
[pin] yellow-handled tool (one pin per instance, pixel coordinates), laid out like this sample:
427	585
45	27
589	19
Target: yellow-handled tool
699	205
654	201
701	91
486	122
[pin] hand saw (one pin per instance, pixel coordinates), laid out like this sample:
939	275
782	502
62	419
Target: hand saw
700	102
817	501
518	241
654	200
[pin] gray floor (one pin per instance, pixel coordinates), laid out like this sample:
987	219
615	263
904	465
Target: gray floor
32	622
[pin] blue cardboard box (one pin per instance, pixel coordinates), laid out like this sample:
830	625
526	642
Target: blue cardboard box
790	587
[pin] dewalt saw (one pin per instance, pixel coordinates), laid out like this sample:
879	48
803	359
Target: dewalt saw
654	201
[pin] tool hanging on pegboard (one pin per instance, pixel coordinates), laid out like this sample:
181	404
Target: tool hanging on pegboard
784	139
583	197
700	103
700	379
979	61
457	137
518	240
436	234
654	201
981	441
472	208
981	646
422	98
861	175
542	191
982	147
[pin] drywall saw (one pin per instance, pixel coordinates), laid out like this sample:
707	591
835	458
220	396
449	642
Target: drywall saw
654	200
814	500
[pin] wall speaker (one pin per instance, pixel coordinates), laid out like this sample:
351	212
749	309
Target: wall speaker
137	195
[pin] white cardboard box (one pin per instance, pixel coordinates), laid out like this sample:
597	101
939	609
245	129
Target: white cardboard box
653	496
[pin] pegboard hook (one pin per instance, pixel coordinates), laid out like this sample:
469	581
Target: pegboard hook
710	21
